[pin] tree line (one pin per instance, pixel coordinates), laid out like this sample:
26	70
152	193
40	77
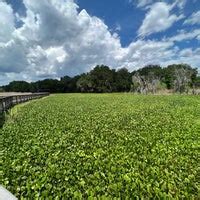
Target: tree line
180	78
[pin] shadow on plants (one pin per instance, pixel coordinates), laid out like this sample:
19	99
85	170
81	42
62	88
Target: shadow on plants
2	119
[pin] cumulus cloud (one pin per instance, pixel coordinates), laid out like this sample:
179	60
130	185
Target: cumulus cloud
193	19
13	56
6	22
141	53
158	19
55	39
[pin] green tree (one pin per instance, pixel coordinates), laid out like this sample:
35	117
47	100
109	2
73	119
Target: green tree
48	85
84	84
123	80
102	79
177	71
18	86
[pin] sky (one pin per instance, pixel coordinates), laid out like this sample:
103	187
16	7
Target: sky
53	38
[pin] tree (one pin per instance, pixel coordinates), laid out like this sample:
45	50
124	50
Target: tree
139	83
153	82
197	82
84	83
181	80
147	79
156	70
179	77
122	80
102	79
47	85
173	74
69	83
65	81
18	86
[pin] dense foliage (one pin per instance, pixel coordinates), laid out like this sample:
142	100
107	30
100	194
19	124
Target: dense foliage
102	145
103	79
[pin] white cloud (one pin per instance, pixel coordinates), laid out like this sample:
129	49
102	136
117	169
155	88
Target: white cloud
183	35
143	3
180	4
186	52
6	22
141	53
13	56
49	59
193	19
158	19
118	27
190	55
56	40
146	3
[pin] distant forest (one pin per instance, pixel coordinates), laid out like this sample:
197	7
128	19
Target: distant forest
180	78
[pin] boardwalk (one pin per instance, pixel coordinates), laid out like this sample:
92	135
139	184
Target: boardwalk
7	94
8	100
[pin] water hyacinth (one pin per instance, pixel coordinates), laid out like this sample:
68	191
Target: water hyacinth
103	146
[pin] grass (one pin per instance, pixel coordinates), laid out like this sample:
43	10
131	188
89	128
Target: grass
103	146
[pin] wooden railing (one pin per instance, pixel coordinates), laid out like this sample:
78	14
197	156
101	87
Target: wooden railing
9	101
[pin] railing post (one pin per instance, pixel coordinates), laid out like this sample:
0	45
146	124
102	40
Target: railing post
1	105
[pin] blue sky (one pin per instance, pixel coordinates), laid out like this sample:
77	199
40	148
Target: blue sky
129	17
116	14
53	38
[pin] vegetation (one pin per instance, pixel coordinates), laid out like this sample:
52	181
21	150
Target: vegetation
105	146
179	78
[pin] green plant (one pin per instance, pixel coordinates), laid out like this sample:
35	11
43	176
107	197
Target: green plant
108	146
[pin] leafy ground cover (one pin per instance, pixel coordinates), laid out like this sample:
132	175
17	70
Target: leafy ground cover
103	146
